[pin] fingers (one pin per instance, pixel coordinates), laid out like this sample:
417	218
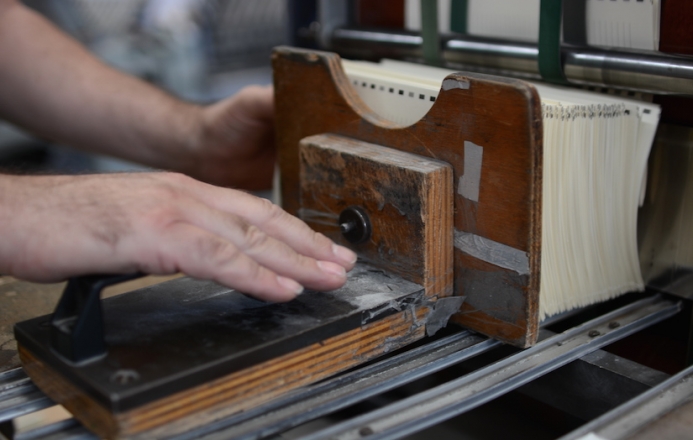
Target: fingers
204	255
268	251
276	223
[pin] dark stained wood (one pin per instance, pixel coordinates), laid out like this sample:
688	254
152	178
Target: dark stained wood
408	199
676	37
380	13
676	22
314	96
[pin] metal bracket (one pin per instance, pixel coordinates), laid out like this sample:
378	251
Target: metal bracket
77	331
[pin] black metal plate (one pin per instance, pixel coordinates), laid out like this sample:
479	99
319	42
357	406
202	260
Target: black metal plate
186	332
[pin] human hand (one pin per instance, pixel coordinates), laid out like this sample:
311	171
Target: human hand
55	227
234	145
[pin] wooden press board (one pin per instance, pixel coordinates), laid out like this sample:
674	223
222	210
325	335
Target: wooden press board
488	129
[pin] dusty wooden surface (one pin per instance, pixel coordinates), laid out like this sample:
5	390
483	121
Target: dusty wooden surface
408	199
19	301
502	116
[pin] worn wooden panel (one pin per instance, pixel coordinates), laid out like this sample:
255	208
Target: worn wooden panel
192	350
408	199
500	117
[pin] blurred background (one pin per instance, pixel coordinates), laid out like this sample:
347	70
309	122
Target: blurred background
199	50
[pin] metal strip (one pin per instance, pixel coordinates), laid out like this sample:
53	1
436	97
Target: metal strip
342	391
641	410
448	400
490	251
24	404
12	379
64	429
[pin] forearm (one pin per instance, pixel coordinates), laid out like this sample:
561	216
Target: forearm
51	85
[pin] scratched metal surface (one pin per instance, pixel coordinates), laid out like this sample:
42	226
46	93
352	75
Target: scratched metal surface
185	332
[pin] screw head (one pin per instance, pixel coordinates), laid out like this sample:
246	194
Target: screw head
124	377
594	333
355	225
365	431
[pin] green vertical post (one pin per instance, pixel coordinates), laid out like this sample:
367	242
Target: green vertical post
550	67
429	32
458	16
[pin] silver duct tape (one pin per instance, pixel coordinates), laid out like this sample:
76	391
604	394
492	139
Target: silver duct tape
443	309
492	252
470	180
449	84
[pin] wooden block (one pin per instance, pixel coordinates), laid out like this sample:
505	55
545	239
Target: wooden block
407	199
489	129
186	352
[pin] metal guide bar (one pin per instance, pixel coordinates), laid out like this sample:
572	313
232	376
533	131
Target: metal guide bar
489	382
337	393
18	396
647	71
12	379
433	406
62	430
626	419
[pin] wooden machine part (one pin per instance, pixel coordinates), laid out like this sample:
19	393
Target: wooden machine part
441	210
487	128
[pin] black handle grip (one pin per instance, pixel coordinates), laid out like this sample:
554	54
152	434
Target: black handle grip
77	331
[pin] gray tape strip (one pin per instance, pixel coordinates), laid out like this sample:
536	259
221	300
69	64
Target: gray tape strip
449	84
492	252
470	180
443	309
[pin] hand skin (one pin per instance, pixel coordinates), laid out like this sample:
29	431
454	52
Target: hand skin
161	223
52	86
54	227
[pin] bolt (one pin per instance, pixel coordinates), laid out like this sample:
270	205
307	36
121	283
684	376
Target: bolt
347	227
594	333
365	431
355	225
614	324
124	377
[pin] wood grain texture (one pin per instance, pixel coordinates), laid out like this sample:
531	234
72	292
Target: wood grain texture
236	392
314	96
408	199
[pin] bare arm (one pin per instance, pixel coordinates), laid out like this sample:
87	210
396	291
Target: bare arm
54	227
52	86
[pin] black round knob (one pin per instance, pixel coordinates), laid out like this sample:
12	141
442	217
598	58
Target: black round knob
355	225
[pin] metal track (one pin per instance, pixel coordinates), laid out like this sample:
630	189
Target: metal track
638	412
345	390
18	396
448	400
646	71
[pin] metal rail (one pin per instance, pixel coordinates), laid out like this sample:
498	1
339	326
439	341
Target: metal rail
626	419
646	71
438	404
350	388
406	416
18	396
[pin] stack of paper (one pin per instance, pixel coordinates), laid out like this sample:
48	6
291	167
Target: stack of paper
595	154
